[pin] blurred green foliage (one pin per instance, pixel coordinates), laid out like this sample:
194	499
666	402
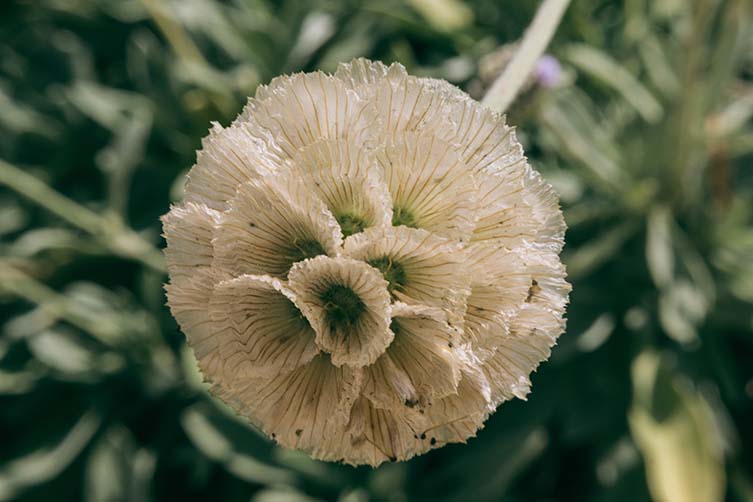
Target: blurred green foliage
648	138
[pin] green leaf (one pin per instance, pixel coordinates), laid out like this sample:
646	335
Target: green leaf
678	439
117	469
444	15
605	69
659	246
590	256
44	464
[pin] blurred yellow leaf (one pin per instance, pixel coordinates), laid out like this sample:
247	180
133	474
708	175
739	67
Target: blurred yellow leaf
444	15
675	431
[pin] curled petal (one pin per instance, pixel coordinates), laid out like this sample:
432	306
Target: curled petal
486	143
298	110
376	435
230	157
519	209
360	74
304	409
259	330
419	266
457	417
188	232
274	222
500	285
505	218
405	103
548	286
345	176
533	333
430	185
347	303
545	203
188	298
422	363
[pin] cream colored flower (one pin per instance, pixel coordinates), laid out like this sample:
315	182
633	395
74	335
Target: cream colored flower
365	264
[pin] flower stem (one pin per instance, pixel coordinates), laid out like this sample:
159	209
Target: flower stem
537	36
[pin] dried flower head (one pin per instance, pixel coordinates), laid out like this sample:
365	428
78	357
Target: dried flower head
365	265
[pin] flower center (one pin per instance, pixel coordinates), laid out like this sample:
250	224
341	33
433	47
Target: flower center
350	224
403	216
305	248
342	305
392	271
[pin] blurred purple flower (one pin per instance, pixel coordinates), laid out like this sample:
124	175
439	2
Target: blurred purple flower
548	71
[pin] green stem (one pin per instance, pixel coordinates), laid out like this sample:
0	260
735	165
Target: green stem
111	233
54	304
537	36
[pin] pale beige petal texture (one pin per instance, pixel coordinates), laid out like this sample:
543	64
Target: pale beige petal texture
419	266
365	264
230	156
500	283
347	303
305	409
259	330
347	178
376	435
274	222
361	73
485	142
295	111
188	232
422	363
405	103
457	417
430	185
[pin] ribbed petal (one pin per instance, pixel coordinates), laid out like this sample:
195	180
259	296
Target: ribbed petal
362	73
376	435
405	103
188	298
297	110
533	333
545	203
458	417
519	209
500	284
356	341
421	365
274	222
430	185
485	142
259	330
424	268
304	409
548	286
188	231
230	157
346	177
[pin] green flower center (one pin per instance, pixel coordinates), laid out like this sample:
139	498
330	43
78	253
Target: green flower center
392	271
350	224
305	248
342	305
403	216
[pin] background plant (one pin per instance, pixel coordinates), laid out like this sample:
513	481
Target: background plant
648	137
